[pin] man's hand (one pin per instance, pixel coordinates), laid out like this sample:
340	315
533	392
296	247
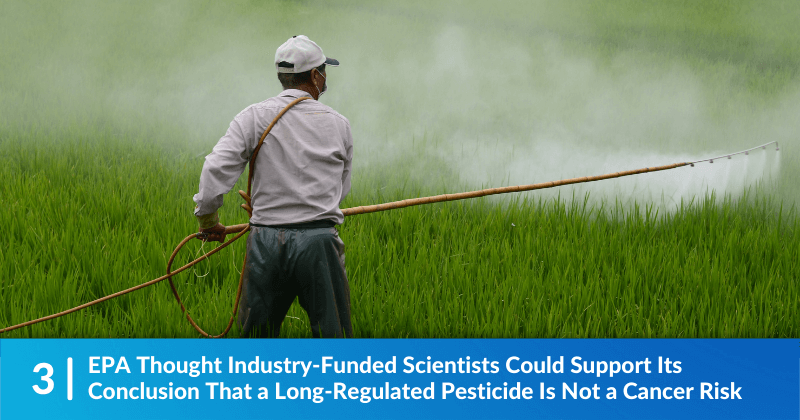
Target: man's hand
216	233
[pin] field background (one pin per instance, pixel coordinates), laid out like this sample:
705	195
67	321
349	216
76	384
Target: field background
107	111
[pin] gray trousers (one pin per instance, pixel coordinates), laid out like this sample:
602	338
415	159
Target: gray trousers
304	261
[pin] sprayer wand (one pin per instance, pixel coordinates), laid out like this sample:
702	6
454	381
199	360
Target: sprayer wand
746	152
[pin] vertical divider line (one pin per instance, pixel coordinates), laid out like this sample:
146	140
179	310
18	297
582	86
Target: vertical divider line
69	378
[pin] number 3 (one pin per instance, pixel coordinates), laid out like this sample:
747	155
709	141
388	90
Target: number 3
45	378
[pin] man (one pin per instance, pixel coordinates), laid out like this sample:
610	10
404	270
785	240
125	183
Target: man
302	173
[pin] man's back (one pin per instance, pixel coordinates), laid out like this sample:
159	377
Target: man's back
302	169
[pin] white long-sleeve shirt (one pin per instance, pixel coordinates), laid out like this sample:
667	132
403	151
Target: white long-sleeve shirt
302	172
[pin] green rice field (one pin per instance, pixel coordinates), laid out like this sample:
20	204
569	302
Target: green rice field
107	112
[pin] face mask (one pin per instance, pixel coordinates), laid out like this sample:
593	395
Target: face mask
324	85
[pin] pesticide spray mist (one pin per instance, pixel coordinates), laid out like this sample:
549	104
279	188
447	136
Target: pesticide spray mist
453	98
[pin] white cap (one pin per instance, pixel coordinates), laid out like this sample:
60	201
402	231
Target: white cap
300	54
